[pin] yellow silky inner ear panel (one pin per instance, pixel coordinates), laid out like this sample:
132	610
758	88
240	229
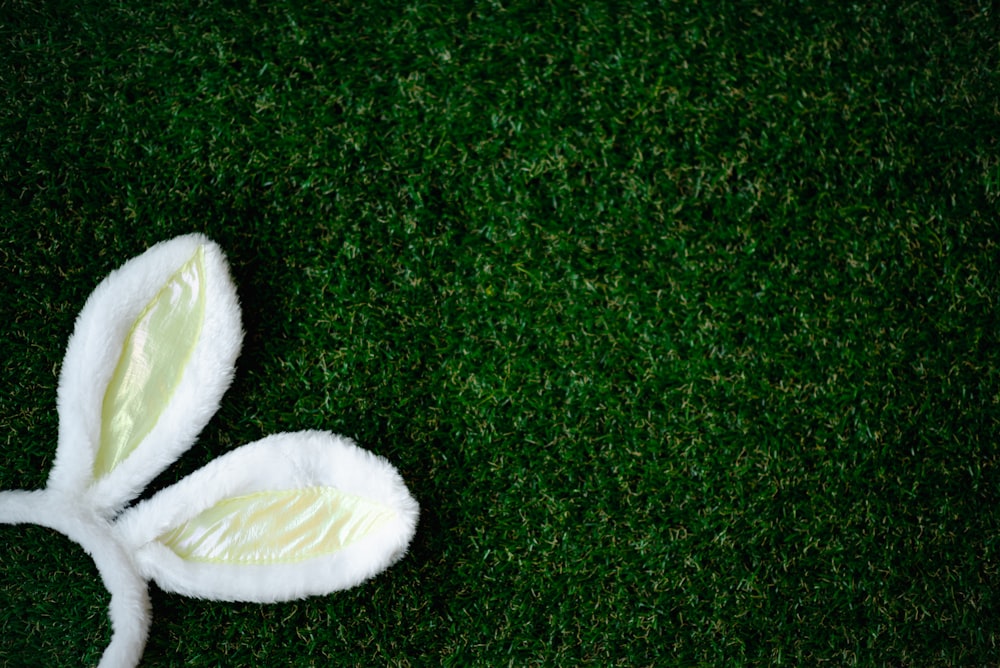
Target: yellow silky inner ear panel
151	364
277	527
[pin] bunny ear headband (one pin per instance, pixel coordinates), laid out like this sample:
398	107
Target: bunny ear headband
291	515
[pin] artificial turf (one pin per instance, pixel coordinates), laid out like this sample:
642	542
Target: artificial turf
678	318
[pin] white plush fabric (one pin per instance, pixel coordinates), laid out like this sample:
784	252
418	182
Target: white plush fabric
299	460
93	352
131	546
129	609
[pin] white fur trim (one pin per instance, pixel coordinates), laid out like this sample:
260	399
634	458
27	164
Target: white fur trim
92	354
279	462
129	609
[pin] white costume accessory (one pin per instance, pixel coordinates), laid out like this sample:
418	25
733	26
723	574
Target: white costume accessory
291	515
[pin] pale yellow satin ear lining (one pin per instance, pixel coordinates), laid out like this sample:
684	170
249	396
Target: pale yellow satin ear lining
273	527
156	351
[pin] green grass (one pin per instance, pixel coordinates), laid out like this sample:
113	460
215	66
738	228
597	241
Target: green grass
679	319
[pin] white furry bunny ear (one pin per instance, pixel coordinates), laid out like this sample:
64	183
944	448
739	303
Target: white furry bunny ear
291	515
151	356
288	516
